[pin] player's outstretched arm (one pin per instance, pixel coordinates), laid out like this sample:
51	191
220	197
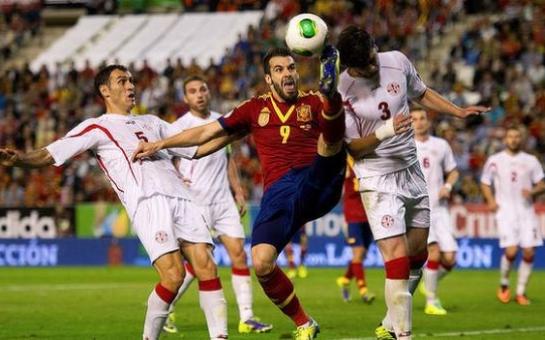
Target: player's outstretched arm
436	102
33	159
191	137
359	147
216	144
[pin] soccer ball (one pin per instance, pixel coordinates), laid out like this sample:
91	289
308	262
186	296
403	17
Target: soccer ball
306	34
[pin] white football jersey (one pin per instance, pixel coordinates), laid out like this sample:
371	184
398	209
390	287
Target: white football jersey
113	139
368	106
208	175
436	159
510	174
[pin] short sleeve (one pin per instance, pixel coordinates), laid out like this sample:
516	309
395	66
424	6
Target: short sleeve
489	170
415	85
537	171
167	130
449	163
239	119
85	136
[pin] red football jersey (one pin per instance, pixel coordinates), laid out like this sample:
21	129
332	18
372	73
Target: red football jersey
352	205
285	134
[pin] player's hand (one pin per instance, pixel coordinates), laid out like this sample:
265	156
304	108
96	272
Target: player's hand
144	150
473	111
492	206
444	192
241	202
402	123
527	194
8	157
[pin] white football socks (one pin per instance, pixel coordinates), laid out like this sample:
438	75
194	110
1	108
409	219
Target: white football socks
242	286
431	277
505	269
399	302
156	313
214	306
525	269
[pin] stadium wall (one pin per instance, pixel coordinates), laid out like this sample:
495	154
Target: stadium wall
102	236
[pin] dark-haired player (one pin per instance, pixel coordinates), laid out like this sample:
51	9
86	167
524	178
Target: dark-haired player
151	191
299	140
376	89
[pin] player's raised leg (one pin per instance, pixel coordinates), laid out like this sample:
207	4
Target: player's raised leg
331	120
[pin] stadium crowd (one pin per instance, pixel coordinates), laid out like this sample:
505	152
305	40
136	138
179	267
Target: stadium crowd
502	59
19	21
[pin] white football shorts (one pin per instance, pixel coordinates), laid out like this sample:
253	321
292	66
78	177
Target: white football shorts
396	201
518	229
441	230
162	222
223	219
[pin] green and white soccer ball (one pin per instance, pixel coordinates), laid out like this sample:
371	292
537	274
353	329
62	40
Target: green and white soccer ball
306	34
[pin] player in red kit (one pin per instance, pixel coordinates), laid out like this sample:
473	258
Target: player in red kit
358	237
299	141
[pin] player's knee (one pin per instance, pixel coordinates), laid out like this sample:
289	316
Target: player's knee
528	255
238	258
262	266
358	253
448	262
433	253
172	278
511	253
206	269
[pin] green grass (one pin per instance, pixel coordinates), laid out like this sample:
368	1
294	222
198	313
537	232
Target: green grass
108	303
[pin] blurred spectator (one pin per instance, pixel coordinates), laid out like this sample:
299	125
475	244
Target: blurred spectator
19	20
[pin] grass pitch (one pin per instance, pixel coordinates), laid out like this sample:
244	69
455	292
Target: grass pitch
109	303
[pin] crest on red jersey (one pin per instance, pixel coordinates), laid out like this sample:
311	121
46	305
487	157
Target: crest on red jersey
393	88
304	113
263	118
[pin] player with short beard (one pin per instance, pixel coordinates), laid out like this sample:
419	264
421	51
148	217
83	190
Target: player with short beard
517	178
299	141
